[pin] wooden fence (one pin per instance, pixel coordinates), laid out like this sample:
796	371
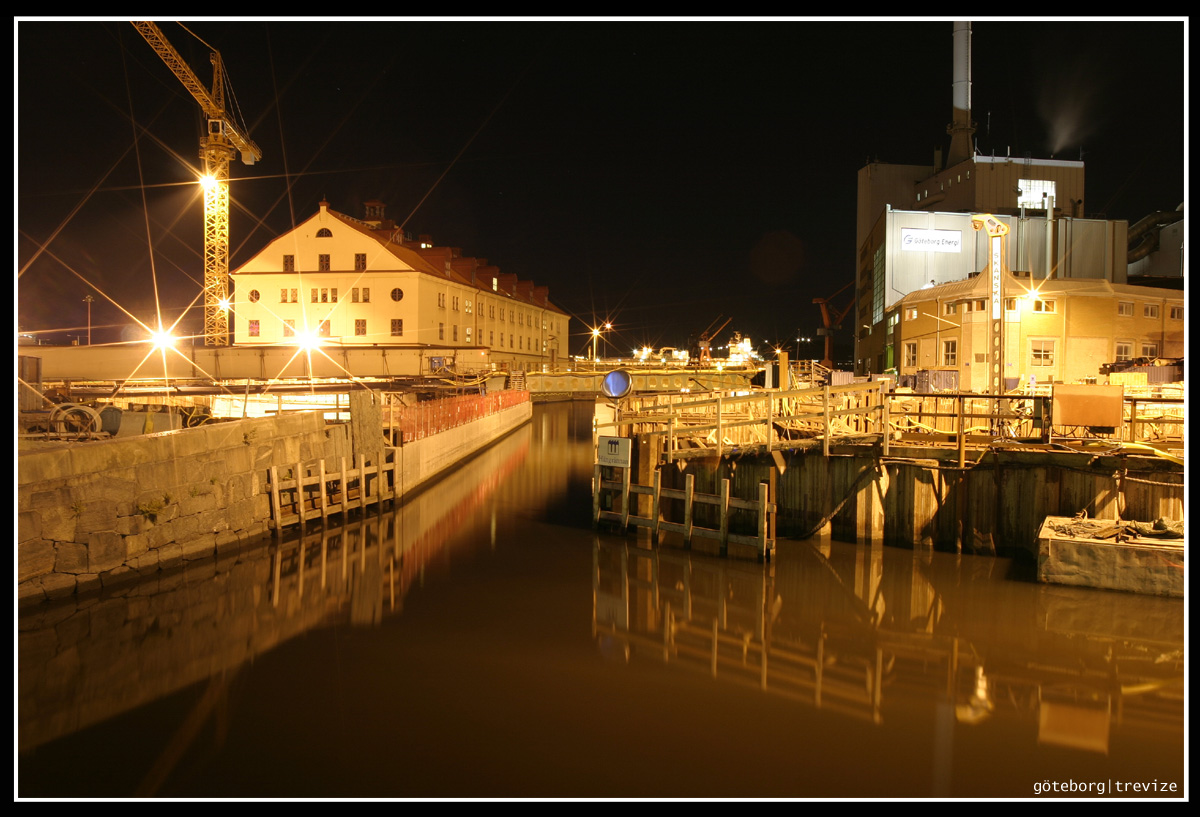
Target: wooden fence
309	491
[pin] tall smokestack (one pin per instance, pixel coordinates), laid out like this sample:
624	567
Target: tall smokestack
961	128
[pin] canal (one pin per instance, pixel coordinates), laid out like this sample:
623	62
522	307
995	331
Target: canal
481	641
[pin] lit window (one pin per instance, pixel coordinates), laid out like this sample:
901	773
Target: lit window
467	333
950	353
1125	309
254	329
397	294
1034	193
1149	310
360	326
1041	353
495	285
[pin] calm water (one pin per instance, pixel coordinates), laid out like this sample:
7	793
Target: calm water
482	642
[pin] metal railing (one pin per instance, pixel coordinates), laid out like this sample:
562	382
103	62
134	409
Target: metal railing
420	420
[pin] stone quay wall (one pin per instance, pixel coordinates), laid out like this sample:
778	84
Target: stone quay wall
95	514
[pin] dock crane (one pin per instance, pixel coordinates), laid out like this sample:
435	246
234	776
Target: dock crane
704	342
222	140
832	319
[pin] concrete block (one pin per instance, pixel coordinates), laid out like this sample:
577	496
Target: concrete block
43	466
70	557
29	525
106	550
35	557
87	583
203	546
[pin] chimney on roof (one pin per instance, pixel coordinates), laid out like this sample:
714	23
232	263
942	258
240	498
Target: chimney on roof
961	128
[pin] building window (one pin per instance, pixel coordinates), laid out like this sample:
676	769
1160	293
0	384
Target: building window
289	329
454	303
1124	351
254	296
950	353
1041	353
1034	192
1177	313
360	260
981	305
283	299
1043	306
491	311
314	295
441	331
495	285
323	329
397	294
454	330
910	354
1010	304
1149	349
491	337
289	263
323	262
441	300
467	307
1125	309
366	293
324	232
397	327
324	295
333	295
353	295
501	340
1149	310
951	308
254	329
360	327
510	343
910	314
467	332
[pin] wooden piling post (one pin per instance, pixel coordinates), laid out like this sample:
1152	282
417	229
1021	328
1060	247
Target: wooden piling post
277	522
625	498
345	490
689	490
654	503
724	511
324	499
825	410
596	494
762	519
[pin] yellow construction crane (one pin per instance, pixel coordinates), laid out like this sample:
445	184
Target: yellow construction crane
223	138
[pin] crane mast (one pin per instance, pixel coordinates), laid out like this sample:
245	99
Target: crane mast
222	140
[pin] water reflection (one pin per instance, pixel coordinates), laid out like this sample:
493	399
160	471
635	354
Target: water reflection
482	641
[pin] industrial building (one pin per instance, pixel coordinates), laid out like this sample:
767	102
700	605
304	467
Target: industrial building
356	283
1070	305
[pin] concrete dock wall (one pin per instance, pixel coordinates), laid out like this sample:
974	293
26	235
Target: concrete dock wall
94	514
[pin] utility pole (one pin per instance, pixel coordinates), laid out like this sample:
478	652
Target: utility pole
88	300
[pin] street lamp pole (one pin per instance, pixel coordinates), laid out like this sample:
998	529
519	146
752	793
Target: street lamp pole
88	300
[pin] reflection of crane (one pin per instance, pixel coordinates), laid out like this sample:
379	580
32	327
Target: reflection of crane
217	148
704	342
831	320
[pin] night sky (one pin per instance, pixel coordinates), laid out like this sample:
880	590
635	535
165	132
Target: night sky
663	175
